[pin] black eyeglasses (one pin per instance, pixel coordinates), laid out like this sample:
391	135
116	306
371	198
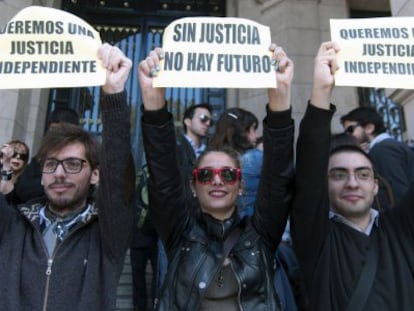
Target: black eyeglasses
350	129
206	175
70	165
22	156
205	118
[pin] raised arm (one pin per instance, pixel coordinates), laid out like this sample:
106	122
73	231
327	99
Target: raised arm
168	207
274	195
325	66
309	220
117	174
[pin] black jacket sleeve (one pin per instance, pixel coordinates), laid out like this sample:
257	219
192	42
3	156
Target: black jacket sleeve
275	188
310	213
117	176
168	208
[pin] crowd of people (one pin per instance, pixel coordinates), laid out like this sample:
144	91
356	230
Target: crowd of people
226	224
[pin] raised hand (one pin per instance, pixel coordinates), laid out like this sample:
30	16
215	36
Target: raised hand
153	98
117	67
279	98
325	66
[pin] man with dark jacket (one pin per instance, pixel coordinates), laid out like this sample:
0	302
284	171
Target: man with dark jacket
67	253
352	256
196	123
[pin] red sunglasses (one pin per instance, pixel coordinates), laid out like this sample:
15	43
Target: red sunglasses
205	175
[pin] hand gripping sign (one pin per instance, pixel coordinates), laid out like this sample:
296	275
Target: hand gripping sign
216	52
43	47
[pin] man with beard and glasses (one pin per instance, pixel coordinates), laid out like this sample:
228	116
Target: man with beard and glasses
28	186
67	253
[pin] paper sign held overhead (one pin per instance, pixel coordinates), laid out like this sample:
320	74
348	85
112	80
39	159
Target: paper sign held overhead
43	47
375	52
216	52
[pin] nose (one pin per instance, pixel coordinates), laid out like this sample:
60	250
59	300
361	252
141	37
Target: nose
352	181
60	170
217	179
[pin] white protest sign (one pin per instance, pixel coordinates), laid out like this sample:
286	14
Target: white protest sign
43	47
375	52
216	52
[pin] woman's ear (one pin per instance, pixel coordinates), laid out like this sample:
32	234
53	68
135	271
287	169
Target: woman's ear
241	187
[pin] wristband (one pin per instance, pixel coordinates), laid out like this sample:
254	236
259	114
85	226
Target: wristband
6	175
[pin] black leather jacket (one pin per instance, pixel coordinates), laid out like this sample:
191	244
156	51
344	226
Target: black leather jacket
194	243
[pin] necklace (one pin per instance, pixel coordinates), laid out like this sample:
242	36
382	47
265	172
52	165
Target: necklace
220	278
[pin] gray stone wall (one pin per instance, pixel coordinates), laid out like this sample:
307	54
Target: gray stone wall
23	112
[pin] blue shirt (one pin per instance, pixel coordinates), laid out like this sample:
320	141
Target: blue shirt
251	165
197	150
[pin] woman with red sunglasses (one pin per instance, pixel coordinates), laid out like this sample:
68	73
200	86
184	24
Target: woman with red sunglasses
13	160
218	260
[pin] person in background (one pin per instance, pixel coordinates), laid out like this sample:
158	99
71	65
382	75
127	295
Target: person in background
352	256
13	161
217	260
67	252
28	186
237	128
392	159
197	121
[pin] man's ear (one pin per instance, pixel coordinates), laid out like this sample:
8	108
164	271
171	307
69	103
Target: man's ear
369	129
95	177
187	122
376	186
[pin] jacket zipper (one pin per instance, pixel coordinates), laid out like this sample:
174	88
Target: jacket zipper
49	266
237	278
240	286
50	259
48	273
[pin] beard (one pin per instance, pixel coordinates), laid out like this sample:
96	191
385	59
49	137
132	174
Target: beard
66	204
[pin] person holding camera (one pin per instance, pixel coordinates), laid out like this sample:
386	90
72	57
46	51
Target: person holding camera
13	160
